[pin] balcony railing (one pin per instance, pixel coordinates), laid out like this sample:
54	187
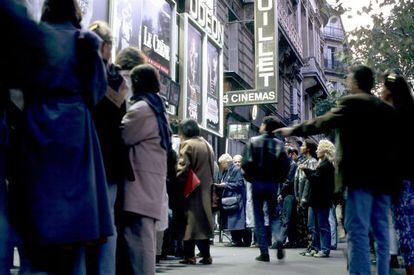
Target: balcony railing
290	29
334	65
333	32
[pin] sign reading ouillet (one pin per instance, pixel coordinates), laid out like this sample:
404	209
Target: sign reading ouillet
266	59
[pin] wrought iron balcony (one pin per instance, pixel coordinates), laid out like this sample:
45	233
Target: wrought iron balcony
334	33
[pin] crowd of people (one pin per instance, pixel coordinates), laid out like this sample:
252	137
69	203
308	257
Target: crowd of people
90	182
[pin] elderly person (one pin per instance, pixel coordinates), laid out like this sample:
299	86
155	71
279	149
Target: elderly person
196	155
248	234
321	192
233	200
146	131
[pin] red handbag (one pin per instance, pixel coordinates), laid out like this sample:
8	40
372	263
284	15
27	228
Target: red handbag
191	184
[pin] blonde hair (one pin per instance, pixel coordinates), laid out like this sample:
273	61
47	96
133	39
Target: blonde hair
328	148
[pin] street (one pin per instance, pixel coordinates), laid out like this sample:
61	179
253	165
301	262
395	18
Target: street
240	261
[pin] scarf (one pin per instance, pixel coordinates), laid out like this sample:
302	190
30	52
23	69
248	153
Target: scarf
157	105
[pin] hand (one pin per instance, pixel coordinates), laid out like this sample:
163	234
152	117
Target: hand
302	167
279	199
285	131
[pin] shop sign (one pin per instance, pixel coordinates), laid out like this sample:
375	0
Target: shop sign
266	59
205	17
249	97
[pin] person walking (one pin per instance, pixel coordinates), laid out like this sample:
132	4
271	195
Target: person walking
265	165
396	91
361	119
196	155
321	190
233	200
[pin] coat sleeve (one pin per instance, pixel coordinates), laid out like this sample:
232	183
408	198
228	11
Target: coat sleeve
235	181
138	125
322	124
312	165
184	162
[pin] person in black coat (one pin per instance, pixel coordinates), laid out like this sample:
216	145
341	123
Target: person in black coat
320	198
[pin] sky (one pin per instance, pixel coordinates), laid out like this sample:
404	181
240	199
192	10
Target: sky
357	20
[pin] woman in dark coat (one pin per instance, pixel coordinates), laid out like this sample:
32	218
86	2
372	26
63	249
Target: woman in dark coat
232	185
322	182
396	92
62	196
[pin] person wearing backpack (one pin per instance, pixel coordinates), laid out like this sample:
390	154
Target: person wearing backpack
266	165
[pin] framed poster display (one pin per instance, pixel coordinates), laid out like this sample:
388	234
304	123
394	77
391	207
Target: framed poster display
194	75
213	88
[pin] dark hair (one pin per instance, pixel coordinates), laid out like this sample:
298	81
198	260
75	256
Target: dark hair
129	58
271	123
102	29
312	147
363	76
189	128
145	78
400	92
291	150
61	11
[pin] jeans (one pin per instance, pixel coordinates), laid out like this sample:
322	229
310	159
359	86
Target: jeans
286	219
367	209
333	224
320	229
265	192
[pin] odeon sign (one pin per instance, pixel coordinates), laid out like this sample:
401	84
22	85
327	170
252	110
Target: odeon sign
206	19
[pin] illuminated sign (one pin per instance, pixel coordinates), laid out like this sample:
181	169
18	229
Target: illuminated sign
266	59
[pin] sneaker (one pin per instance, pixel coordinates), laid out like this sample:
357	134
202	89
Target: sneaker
310	253
263	258
206	260
321	254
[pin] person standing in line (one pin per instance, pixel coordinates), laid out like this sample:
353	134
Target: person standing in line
107	116
266	165
396	91
361	119
286	197
321	191
196	155
146	131
247	234
302	186
234	192
6	248
62	201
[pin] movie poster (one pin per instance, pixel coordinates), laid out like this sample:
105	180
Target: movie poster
213	105
156	34
126	23
194	70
